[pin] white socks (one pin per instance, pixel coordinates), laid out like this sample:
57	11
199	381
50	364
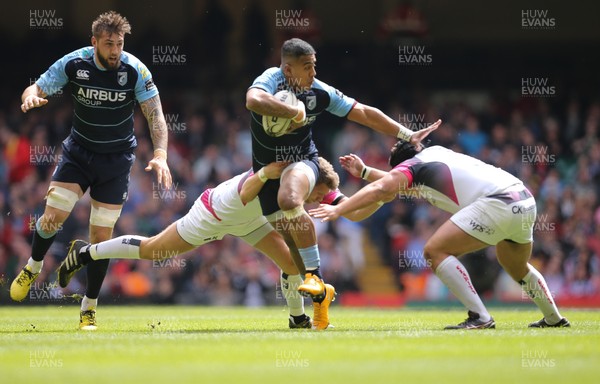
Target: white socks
122	247
87	303
535	286
455	276
36	266
294	300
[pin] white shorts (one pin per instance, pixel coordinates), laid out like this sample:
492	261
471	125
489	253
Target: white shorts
509	215
199	227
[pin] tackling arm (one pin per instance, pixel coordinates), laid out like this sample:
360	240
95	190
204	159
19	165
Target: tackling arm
362	213
381	190
254	183
357	168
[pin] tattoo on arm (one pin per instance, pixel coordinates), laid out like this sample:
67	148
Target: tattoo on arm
152	110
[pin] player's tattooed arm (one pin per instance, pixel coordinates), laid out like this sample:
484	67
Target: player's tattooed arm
152	110
159	134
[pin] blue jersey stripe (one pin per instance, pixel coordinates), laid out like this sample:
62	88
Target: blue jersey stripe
103	125
105	89
103	142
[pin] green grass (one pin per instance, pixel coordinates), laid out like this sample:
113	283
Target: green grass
180	344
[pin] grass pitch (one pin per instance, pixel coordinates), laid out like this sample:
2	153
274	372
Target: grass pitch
181	344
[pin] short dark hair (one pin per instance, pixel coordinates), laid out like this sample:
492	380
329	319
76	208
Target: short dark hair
110	22
402	151
295	48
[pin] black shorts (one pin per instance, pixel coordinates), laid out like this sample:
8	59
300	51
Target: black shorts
106	174
268	194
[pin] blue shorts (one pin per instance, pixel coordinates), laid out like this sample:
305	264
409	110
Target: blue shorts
106	174
268	194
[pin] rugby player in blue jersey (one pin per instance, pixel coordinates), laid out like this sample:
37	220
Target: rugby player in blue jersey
105	83
282	200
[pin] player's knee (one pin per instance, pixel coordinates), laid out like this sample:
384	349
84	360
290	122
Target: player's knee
104	217
60	200
432	253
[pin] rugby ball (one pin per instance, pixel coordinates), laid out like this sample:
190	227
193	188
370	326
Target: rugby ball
279	126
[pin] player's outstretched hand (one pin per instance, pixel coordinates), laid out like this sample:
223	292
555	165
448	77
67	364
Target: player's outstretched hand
274	170
31	102
163	174
418	136
352	164
324	212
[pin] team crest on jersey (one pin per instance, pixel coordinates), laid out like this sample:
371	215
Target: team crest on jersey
122	78
311	102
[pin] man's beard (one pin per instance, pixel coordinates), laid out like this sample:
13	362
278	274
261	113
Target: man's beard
106	64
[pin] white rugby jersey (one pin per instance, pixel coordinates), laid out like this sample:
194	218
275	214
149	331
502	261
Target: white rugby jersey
225	204
451	180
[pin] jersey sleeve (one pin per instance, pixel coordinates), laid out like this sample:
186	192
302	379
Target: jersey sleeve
405	167
333	197
55	77
267	81
144	86
339	104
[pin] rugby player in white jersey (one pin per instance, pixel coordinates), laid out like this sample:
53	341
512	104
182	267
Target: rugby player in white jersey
489	206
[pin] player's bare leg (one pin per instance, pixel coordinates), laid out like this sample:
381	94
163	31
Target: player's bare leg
297	224
441	250
166	244
513	257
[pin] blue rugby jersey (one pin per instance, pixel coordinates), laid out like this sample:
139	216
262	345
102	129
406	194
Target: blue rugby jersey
104	99
297	145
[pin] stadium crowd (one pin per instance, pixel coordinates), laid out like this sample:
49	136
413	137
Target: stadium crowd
550	143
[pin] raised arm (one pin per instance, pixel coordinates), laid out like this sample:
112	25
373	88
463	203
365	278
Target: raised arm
375	119
254	183
357	168
152	110
33	97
